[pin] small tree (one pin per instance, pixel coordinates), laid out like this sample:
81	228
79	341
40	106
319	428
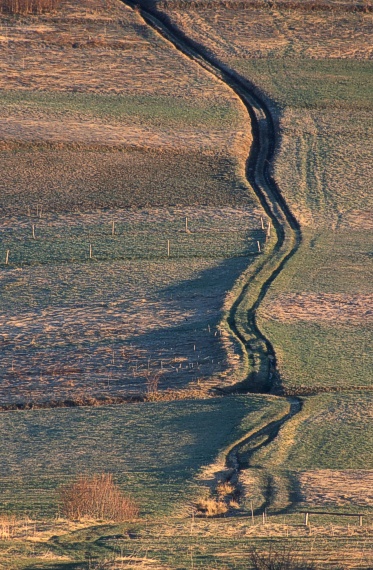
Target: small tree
96	498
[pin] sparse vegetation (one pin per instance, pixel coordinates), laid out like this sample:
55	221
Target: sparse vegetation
278	560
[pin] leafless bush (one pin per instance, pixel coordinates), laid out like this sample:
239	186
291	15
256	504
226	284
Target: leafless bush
96	498
28	6
211	507
278	560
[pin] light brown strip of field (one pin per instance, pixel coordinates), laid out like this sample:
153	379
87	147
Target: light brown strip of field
321	307
260	32
100	133
341	488
87	47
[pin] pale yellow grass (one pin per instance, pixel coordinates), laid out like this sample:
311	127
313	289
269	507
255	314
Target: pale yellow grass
321	307
96	49
342	488
91	133
261	32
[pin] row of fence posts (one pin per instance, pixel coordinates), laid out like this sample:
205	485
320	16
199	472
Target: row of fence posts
268	234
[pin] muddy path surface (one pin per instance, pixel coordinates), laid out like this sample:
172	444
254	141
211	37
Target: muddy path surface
262	375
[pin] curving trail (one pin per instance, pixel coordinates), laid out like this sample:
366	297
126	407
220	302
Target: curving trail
262	376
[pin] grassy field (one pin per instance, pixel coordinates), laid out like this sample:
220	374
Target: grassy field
78	328
315	74
323	457
137	443
103	121
321	309
97	112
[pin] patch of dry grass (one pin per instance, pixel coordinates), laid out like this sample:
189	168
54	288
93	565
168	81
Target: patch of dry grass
79	328
323	307
341	488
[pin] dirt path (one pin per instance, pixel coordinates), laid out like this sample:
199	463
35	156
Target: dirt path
263	376
262	373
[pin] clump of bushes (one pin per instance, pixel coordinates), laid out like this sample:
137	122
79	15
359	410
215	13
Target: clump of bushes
96	498
211	507
25	7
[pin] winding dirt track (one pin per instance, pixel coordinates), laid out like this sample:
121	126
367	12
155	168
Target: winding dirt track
262	376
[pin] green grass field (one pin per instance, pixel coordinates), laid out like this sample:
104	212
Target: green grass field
322	459
324	347
154	450
320	91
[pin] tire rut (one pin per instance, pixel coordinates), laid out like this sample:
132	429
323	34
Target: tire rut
263	377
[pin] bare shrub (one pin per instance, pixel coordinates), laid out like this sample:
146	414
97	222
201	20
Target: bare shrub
225	489
28	6
96	498
278	560
211	507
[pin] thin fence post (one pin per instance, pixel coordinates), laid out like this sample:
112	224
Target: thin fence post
7	257
33	231
360	520
168	248
90	251
252	511
113	228
269	229
258	246
306	518
262	222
